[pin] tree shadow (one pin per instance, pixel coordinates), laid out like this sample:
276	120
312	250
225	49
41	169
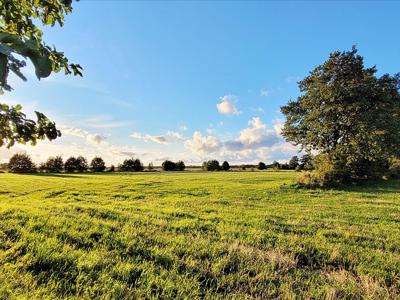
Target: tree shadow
391	186
57	175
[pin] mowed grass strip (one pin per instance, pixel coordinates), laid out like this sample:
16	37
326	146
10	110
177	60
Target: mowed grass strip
196	235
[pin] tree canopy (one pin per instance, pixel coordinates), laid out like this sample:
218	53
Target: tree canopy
21	37
346	113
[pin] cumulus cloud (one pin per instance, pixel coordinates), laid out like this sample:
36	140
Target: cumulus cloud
159	139
257	142
92	138
177	135
183	128
200	144
227	106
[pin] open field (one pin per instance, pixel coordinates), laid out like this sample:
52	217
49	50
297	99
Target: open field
196	235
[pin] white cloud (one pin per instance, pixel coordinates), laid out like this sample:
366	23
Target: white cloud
227	106
200	144
183	128
264	92
177	135
105	121
91	138
255	143
159	139
210	131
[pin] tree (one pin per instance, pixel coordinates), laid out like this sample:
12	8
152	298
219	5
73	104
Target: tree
97	164
81	164
225	166
53	165
150	167
261	166
213	165
276	165
131	165
347	114
70	165
168	165
306	162
21	163
180	166
294	163
21	39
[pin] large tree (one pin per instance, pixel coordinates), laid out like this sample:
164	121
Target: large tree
22	39
347	113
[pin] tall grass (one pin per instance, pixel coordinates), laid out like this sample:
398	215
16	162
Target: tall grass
196	235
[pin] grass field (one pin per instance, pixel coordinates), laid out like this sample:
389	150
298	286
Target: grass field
196	235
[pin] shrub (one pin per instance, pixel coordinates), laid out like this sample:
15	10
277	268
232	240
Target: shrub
111	169
212	165
21	163
261	166
225	166
70	165
168	165
53	165
180	166
97	164
327	173
394	168
131	165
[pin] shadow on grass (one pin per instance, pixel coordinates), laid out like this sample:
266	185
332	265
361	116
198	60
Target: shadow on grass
391	186
58	175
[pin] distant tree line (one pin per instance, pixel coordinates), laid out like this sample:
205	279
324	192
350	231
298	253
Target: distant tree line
22	163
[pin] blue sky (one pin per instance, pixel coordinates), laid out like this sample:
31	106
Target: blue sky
194	80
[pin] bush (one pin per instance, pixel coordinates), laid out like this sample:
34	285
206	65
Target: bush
394	168
327	173
21	163
111	169
261	166
53	165
70	165
131	165
225	166
168	165
97	164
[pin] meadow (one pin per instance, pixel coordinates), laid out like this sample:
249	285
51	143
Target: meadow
196	235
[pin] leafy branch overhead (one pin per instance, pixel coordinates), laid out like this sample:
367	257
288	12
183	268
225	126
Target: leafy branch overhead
19	35
21	39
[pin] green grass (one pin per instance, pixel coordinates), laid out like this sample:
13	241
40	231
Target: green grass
196	235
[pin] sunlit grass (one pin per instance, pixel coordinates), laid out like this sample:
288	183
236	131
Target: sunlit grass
196	235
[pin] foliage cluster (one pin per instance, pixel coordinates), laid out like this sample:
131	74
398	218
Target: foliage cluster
349	116
168	165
